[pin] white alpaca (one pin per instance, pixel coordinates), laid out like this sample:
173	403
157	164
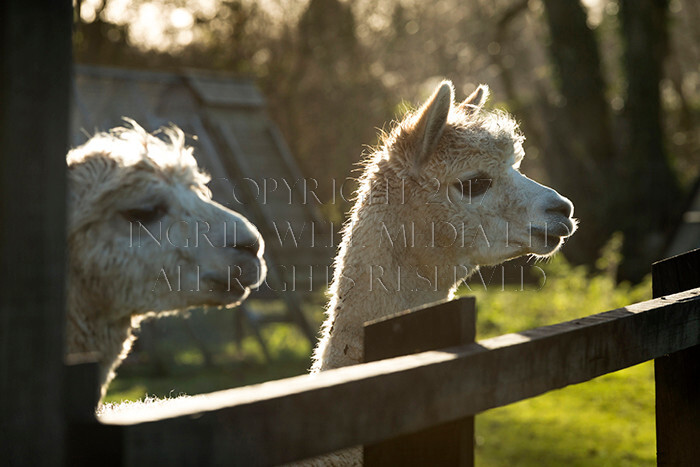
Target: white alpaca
145	237
440	197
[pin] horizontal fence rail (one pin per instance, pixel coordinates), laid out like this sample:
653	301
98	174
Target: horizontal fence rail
299	417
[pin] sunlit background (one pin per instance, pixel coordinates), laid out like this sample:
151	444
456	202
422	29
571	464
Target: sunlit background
350	67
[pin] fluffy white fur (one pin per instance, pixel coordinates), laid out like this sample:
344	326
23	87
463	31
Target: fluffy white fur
415	232
144	237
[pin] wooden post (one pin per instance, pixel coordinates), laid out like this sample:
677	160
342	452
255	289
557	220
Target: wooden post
35	68
433	327
678	374
87	442
82	387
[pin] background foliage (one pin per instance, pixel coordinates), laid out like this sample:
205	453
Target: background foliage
607	91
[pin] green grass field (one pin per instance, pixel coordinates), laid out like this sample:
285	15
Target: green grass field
605	422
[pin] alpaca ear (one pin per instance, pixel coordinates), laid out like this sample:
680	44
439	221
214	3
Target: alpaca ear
475	101
431	121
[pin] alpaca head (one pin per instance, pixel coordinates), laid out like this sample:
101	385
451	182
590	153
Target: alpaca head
144	234
458	168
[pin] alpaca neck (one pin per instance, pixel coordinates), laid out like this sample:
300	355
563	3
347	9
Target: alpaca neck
86	332
376	277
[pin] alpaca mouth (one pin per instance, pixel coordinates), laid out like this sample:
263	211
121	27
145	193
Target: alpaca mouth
550	237
560	229
225	285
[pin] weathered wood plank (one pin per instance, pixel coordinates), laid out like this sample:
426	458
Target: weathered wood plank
35	67
86	446
678	374
432	327
676	274
82	386
309	415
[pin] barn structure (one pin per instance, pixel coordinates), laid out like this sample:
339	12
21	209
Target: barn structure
252	170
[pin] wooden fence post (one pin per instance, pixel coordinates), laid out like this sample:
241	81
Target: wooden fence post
678	374
87	442
433	327
35	67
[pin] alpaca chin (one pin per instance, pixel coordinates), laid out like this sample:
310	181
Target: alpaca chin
546	242
226	293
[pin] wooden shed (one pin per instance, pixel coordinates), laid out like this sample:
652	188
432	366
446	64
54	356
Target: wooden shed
252	170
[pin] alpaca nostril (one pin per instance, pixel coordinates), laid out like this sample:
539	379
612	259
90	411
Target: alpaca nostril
562	207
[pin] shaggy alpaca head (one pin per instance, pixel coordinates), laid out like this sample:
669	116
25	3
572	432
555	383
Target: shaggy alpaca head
144	236
441	196
461	188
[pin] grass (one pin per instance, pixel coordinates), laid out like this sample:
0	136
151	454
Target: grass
608	421
233	365
605	422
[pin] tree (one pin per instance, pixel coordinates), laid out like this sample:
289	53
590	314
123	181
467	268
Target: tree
620	164
653	187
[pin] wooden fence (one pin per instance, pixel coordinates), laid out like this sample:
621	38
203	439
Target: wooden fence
417	409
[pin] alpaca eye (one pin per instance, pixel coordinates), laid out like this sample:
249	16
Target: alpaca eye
145	215
474	186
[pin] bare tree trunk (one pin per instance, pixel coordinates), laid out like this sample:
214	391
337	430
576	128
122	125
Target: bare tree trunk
624	183
579	144
653	187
